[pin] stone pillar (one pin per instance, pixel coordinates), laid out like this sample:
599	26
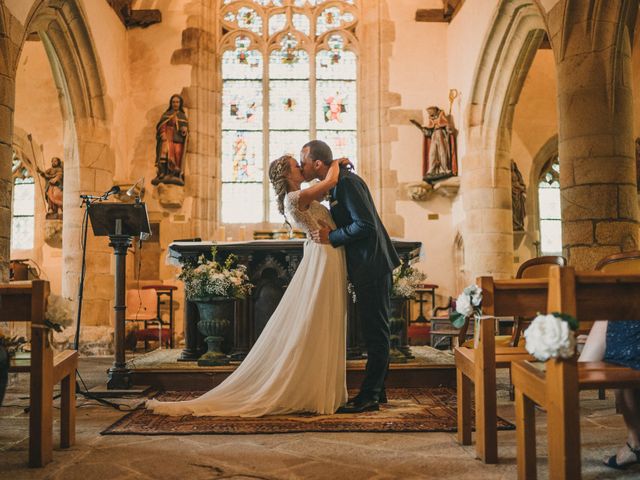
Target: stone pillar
596	146
488	228
11	31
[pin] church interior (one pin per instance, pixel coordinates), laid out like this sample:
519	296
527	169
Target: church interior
135	143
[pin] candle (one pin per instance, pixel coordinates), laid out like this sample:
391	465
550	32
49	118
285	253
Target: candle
242	236
221	233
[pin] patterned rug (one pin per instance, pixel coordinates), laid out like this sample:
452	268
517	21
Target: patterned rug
408	410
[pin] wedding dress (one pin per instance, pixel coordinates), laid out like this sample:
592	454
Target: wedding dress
298	364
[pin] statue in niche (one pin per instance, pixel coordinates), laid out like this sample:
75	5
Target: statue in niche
54	177
439	155
518	198
172	132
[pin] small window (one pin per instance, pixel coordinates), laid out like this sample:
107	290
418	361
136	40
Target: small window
549	208
23	207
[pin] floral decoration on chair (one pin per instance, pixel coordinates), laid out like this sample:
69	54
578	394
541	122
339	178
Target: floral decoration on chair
468	303
551	336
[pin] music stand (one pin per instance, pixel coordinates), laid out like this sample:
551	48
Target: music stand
120	222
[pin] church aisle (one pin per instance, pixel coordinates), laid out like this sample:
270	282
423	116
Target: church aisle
334	456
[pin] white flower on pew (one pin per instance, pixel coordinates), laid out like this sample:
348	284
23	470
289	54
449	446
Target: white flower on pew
551	336
468	303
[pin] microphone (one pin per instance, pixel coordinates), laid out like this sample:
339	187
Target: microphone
113	190
136	186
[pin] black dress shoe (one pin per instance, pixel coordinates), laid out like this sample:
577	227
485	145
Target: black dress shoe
359	407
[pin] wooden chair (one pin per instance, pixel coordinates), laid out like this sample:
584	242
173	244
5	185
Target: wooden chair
27	302
477	365
534	268
587	296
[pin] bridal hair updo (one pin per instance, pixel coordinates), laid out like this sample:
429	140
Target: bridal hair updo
279	170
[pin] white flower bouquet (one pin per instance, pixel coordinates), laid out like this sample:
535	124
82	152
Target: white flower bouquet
405	281
551	336
209	278
468	303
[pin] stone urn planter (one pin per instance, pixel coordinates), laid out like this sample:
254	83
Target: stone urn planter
216	315
4	372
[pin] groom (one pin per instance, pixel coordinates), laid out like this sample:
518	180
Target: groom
370	260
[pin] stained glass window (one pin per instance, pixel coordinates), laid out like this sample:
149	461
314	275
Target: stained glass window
289	72
549	208
23	211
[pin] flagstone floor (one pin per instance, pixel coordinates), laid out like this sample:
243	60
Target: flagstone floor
333	456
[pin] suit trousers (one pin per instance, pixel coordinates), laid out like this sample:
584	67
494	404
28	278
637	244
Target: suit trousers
372	307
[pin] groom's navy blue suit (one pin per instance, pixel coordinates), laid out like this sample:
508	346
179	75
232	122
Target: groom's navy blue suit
370	260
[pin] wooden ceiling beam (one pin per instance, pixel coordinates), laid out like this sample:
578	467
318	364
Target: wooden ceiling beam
436	15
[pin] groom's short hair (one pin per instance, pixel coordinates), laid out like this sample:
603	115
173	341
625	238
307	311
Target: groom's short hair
319	150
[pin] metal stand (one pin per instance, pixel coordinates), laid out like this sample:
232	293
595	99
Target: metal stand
119	374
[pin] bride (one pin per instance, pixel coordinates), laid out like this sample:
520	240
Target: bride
298	364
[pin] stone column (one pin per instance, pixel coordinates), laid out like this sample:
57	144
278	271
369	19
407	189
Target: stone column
488	229
596	147
11	31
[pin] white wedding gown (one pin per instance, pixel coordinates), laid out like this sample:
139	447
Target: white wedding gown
298	364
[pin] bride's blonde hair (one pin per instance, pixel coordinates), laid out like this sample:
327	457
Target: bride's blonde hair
279	170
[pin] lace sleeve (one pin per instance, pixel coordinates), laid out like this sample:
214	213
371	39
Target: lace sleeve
292	200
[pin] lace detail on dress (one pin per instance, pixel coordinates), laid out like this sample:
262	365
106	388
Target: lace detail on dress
306	220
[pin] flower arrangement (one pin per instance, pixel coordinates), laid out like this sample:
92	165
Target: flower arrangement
468	303
405	281
209	278
551	336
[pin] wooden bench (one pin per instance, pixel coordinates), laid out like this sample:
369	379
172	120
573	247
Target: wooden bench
588	297
27	302
477	365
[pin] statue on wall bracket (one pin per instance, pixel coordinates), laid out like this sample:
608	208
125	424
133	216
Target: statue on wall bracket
53	192
172	132
439	152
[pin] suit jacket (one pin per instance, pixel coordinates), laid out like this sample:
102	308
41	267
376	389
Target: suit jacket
368	247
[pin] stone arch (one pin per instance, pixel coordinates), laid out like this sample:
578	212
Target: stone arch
89	158
516	33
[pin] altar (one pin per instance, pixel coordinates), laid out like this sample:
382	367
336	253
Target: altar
270	266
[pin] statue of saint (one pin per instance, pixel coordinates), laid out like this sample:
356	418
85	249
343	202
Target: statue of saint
171	139
439	156
518	198
54	177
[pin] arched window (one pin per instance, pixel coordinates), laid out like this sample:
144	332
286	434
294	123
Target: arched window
549	208
22	219
289	71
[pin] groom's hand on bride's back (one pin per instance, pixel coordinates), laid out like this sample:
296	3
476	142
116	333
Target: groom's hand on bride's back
322	234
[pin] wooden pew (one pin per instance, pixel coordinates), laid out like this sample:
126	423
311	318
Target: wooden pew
27	302
477	365
587	296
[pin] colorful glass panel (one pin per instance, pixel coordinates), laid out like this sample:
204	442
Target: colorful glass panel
245	18
332	18
241	63
289	105
336	105
336	63
242	105
242	156
288	62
